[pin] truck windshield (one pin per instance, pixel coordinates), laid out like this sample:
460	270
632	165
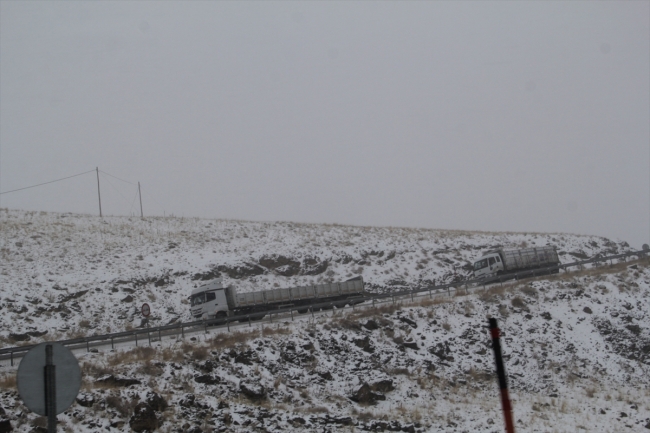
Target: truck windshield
480	264
197	299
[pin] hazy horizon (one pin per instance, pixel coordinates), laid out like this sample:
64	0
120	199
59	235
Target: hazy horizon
476	116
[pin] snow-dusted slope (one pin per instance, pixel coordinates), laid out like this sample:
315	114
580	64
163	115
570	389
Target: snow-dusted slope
577	350
71	274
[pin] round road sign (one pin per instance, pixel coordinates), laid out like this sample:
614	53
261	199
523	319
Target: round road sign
31	381
146	310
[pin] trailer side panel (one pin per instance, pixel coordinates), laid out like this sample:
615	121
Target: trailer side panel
528	258
287	296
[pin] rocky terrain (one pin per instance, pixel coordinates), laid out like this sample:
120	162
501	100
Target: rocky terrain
67	275
577	345
577	351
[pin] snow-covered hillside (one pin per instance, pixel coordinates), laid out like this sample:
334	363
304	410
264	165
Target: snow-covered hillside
577	346
70	275
577	350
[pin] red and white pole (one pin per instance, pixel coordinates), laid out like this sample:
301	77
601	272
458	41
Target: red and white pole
501	373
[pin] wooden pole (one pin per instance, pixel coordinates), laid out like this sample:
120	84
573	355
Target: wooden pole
140	194
98	193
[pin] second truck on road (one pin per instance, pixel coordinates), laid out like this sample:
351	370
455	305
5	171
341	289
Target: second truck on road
495	263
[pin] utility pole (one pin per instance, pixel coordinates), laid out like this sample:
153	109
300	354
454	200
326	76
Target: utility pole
98	193
140	194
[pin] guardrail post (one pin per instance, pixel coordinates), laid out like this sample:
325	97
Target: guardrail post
205	326
87	346
271	317
159	336
430	294
249	321
11	355
136	339
182	332
149	335
112	345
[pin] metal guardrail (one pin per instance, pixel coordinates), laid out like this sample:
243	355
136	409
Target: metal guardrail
179	328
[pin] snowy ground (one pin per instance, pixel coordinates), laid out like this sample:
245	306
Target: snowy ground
577	346
72	275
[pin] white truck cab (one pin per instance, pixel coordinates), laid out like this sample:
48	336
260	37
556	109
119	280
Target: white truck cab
209	300
489	264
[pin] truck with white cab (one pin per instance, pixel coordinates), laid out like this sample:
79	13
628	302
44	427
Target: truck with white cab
213	300
498	262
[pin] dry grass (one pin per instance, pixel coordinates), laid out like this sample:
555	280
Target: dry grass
478	376
120	404
8	381
150	368
517	302
137	354
377	310
96	369
169	354
40	421
197	352
348	323
437	300
529	290
229	339
269	331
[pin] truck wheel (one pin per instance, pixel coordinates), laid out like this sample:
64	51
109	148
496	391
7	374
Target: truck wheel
220	318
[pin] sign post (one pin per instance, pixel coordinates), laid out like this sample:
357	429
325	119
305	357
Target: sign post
50	389
146	311
49	379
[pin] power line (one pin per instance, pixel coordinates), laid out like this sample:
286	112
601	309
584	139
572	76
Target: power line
118	191
45	183
133	202
117	177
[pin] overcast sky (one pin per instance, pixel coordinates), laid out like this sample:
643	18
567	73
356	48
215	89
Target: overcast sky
508	116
